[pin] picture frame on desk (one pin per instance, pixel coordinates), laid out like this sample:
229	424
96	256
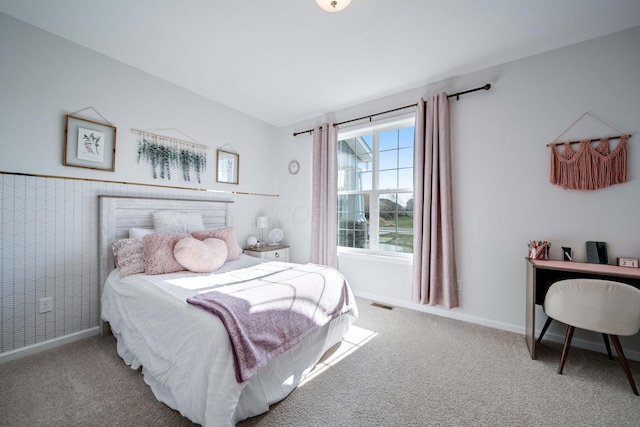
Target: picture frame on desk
597	253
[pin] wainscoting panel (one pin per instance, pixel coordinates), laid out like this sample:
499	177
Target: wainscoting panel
49	248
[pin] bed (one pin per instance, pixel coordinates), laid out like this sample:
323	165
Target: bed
187	356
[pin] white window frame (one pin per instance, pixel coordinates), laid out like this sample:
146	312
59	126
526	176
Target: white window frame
405	120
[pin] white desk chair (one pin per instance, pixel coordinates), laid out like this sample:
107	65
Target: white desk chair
603	306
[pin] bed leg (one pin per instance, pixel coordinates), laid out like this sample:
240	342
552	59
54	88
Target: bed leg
105	329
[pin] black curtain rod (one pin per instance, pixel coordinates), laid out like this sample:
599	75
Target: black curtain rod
456	95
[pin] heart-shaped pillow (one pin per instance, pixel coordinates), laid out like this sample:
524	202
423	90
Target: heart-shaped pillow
200	256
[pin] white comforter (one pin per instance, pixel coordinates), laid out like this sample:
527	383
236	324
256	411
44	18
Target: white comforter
185	351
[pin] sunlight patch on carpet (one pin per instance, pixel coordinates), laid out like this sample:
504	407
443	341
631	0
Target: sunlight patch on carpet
351	342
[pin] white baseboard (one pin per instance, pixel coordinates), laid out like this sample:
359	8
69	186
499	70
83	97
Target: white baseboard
47	345
452	314
439	311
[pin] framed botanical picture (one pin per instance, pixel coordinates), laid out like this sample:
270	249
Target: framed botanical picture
89	144
228	166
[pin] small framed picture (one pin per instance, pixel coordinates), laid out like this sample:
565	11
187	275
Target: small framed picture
228	167
89	144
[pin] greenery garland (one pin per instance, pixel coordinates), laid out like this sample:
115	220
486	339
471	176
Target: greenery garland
164	158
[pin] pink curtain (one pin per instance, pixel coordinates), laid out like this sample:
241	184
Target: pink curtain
434	264
324	213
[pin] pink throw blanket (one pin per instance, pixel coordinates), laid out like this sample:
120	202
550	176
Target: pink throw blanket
267	316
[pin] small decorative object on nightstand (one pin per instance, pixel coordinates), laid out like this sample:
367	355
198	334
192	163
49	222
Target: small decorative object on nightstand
270	253
275	236
252	242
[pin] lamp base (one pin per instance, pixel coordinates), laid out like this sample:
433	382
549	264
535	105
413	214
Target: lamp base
261	243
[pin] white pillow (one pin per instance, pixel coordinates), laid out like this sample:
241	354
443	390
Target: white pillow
200	256
167	222
139	233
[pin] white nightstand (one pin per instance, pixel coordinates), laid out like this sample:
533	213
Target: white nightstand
270	253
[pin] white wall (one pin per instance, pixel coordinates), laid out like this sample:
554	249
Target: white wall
43	77
49	226
502	193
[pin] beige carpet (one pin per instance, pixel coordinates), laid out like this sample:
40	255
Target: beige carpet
396	368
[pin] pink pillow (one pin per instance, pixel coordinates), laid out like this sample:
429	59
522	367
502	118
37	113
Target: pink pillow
228	234
129	256
158	253
200	256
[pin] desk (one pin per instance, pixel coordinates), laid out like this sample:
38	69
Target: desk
541	274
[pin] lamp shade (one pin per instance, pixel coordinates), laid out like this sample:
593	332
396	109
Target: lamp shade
333	5
263	222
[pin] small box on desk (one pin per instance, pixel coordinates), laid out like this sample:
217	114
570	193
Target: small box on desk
628	262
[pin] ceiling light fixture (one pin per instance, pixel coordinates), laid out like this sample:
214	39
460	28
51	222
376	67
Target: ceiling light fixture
333	5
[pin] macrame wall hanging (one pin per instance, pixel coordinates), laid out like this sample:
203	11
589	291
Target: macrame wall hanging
165	153
589	167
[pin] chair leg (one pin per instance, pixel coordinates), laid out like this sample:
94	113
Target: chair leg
606	344
565	349
624	363
544	328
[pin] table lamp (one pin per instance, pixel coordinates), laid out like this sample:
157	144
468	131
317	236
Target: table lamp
262	222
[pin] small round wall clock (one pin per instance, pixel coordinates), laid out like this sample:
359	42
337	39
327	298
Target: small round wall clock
294	167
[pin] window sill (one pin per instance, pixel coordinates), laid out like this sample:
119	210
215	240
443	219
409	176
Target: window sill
403	259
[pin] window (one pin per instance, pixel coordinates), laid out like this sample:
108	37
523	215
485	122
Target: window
375	187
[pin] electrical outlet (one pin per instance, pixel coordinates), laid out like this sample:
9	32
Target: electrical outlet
46	304
459	284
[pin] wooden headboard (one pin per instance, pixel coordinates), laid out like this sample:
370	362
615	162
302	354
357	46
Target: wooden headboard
119	214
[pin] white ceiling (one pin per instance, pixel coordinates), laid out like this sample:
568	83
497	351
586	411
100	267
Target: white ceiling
286	61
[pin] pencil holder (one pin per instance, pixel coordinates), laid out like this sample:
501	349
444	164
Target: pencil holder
539	249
